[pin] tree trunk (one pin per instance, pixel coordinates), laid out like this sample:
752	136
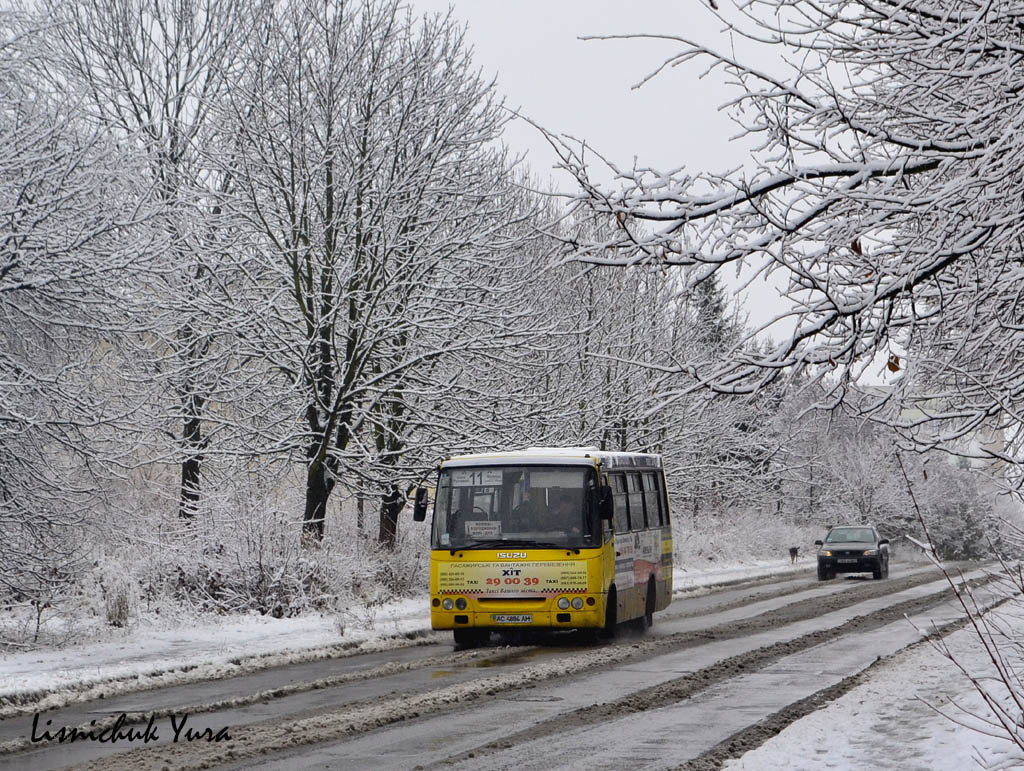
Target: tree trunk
318	490
391	505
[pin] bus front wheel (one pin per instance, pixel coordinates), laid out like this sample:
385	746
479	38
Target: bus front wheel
611	615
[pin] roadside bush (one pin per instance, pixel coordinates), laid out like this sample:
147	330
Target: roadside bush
257	561
251	563
115	584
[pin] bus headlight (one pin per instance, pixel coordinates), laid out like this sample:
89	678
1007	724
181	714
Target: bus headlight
461	603
577	602
563	603
447	603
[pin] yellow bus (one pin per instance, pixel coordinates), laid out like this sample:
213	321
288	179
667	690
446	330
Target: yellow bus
548	538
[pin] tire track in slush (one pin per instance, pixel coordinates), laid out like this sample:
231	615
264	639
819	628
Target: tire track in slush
287	746
232	694
372	713
671	693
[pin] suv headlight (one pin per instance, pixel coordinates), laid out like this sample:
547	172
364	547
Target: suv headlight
870	552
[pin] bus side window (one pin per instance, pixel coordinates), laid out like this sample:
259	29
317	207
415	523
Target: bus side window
652	500
618	482
637	517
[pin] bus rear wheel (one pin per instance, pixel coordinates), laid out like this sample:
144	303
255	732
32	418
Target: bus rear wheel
645	621
652	596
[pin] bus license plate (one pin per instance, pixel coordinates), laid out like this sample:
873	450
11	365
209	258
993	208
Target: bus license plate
847	561
503	618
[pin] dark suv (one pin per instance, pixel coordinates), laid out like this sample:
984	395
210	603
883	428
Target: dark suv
853	549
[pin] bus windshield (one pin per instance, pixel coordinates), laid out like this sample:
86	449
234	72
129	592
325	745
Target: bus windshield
540	506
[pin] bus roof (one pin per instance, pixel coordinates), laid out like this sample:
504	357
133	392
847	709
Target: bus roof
565	456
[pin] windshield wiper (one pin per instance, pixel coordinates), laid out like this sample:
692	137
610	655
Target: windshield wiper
494	542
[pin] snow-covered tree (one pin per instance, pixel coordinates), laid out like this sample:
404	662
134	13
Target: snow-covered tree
606	379
885	199
371	174
152	73
72	227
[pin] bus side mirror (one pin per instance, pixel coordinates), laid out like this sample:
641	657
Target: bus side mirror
604	503
419	509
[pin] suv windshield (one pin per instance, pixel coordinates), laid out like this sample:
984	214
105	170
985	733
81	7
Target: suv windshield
490	506
850	535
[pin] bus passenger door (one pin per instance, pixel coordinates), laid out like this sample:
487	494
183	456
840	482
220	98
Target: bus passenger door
624	546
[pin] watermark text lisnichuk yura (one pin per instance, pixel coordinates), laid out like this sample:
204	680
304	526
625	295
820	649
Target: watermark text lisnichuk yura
123	730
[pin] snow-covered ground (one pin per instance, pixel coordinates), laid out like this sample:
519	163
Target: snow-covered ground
685	579
893	720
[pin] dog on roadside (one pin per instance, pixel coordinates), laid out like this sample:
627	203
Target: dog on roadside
794	552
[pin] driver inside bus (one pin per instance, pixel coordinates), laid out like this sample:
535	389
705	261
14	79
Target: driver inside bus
565	511
527	515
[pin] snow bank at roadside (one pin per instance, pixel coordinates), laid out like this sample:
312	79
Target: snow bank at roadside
202	647
685	579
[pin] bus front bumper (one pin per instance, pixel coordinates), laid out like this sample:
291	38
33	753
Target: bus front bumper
517	618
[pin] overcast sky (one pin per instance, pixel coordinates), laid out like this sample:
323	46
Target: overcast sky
585	88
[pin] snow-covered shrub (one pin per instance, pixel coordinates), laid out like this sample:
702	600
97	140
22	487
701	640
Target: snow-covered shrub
246	564
251	556
739	536
118	607
116	586
959	532
36	594
244	552
365	575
